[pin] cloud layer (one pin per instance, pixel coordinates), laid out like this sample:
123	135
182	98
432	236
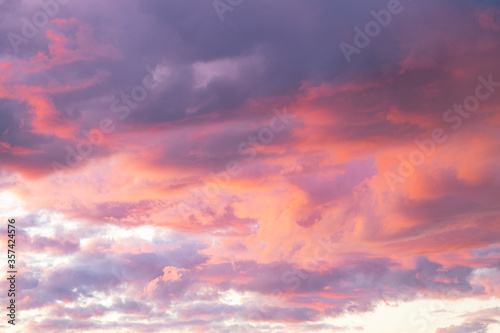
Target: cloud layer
190	166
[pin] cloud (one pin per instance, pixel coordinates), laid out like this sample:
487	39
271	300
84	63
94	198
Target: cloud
466	327
309	230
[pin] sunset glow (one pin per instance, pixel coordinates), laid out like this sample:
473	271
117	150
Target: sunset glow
251	166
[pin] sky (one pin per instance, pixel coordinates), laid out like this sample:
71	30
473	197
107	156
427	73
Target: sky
251	166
